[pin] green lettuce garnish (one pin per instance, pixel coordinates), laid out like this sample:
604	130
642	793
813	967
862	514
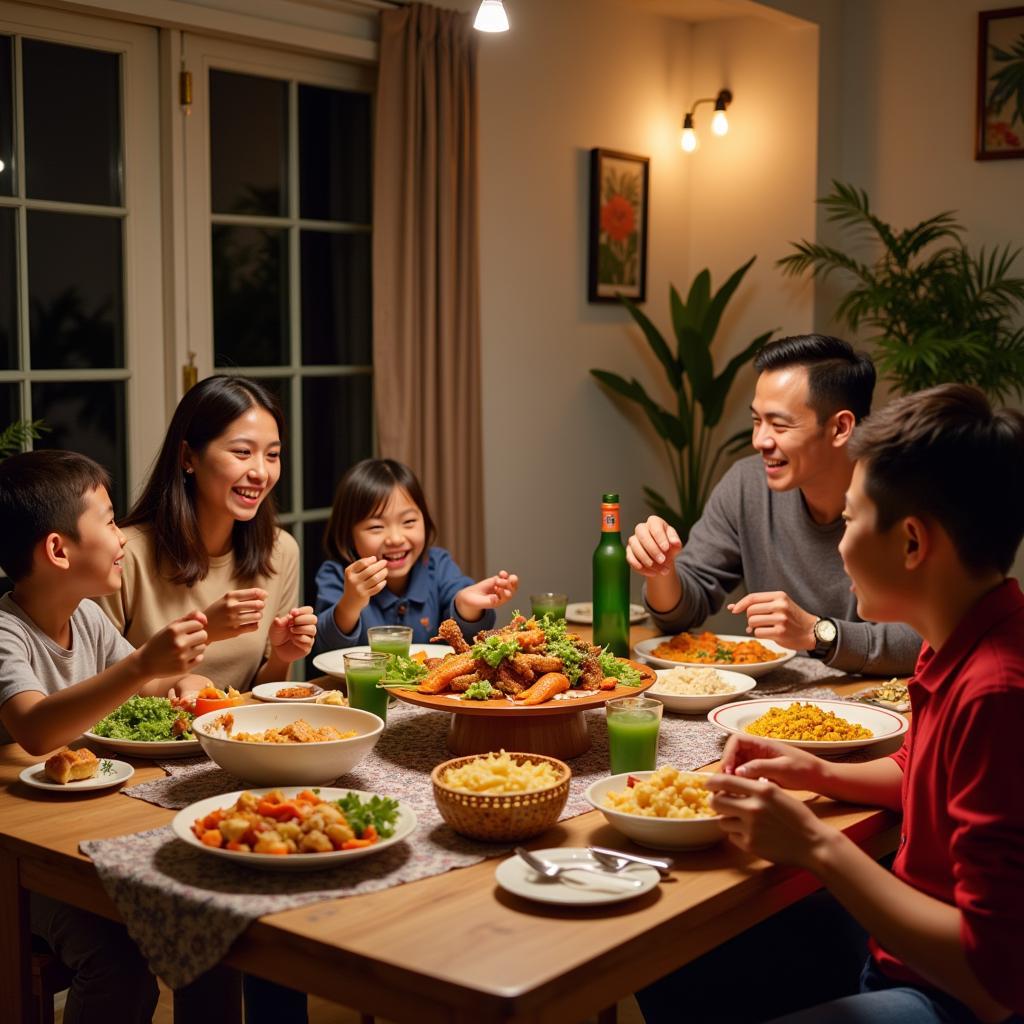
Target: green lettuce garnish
618	669
401	669
494	650
480	690
379	811
147	719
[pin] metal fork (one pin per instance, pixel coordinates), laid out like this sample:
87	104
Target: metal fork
551	871
616	860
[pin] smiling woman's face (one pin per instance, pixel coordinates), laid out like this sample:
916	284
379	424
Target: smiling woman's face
237	470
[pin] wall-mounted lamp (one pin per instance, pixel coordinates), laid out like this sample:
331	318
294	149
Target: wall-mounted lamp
491	17
719	122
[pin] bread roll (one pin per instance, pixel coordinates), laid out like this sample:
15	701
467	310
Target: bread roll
70	765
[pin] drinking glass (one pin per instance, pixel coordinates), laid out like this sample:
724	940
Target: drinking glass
633	724
390	639
549	604
363	673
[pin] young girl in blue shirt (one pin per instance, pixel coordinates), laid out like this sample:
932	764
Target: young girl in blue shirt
382	569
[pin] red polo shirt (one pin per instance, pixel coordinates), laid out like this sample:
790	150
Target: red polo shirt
963	790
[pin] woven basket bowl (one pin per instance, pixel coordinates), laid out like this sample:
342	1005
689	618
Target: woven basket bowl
505	817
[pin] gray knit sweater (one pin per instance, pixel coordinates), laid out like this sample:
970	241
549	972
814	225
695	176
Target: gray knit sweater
769	540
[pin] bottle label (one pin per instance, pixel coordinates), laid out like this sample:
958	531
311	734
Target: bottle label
609	518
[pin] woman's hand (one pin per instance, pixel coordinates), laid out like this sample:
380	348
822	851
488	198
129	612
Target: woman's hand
762	819
292	635
471	602
237	612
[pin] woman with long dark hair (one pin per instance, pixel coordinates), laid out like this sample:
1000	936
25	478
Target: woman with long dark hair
204	534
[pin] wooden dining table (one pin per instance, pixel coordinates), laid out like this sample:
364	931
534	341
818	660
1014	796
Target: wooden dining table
453	947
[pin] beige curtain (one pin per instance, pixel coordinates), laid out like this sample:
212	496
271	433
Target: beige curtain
426	306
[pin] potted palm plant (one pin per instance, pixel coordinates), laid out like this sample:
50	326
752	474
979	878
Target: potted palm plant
937	311
687	429
14	437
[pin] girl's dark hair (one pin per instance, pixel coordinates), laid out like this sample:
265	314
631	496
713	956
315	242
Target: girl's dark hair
946	454
363	492
167	503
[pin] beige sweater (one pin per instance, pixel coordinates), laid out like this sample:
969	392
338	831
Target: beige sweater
148	601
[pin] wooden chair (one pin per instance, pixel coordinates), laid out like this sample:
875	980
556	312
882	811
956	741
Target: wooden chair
49	976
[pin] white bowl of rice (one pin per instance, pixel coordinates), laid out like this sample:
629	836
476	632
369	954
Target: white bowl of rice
695	691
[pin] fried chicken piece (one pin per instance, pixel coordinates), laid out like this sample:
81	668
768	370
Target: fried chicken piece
522	668
452	666
429	663
590	675
530	639
541	663
507	681
485	671
460	684
449	633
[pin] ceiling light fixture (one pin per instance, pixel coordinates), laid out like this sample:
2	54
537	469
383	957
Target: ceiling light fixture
719	122
491	17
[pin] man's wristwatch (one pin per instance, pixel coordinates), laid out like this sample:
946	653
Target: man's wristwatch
825	634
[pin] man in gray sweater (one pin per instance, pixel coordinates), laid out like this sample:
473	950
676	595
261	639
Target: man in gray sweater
775	520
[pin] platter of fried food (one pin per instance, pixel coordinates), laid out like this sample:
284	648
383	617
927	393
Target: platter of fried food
531	666
823	726
294	828
753	657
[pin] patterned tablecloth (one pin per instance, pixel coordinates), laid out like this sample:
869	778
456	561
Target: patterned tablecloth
185	908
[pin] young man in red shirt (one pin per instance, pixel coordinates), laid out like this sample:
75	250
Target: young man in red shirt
933	521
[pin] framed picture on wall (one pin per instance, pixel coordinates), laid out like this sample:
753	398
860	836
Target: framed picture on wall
1000	129
617	256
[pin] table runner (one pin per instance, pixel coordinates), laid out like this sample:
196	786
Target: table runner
185	908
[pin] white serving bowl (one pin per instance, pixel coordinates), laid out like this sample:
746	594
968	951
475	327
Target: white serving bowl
658	833
754	668
288	764
700	704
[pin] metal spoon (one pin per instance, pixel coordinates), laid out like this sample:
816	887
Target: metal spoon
551	871
616	860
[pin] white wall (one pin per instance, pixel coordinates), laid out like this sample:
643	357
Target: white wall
572	75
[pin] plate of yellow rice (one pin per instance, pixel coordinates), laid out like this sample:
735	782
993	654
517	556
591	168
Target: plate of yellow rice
823	726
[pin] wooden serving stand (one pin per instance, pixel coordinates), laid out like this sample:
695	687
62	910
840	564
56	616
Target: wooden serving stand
556	728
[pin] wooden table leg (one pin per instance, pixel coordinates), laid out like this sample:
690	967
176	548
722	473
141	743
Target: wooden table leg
215	995
609	1015
15	943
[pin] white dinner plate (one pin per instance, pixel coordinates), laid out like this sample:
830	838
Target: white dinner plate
183	820
885	725
332	663
700	703
268	692
576	890
582	613
140	748
754	668
109	773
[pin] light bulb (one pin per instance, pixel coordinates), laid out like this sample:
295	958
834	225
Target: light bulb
689	140
720	123
2	166
491	17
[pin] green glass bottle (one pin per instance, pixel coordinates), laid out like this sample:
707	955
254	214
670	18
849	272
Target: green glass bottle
611	583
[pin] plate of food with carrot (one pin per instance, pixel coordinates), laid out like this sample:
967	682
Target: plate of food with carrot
530	666
294	828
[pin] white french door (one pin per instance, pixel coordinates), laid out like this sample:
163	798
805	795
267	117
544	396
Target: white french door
81	332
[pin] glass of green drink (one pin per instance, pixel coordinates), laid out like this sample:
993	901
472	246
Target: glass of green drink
633	724
549	604
363	673
390	639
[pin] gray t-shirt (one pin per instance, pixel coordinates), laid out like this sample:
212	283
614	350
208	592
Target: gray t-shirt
31	661
768	540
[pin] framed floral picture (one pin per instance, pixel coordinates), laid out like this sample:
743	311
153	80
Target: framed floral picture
1000	130
617	262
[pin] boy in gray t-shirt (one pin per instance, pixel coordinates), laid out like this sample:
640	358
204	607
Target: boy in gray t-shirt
63	667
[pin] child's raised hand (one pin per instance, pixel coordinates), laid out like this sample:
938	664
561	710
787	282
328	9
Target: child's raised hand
176	649
237	612
292	635
492	592
364	578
